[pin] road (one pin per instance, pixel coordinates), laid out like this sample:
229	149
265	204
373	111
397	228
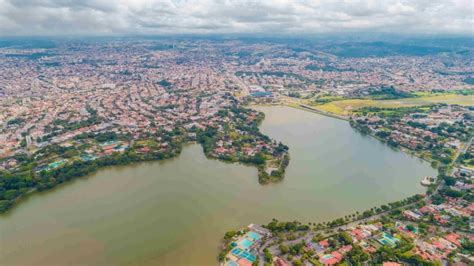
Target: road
274	249
468	144
243	87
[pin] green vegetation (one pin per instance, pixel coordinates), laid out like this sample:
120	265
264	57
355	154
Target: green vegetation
15	121
406	127
30	176
382	93
356	256
65	125
238	141
466	159
348	106
328	68
164	83
276	226
230	234
294	95
241	141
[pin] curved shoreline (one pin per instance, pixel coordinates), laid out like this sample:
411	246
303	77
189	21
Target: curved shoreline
244	191
263	175
343	222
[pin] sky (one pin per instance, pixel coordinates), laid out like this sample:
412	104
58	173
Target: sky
269	17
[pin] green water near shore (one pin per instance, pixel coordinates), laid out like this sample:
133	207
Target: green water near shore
175	212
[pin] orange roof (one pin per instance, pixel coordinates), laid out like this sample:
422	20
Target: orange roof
337	255
324	243
453	238
280	262
345	249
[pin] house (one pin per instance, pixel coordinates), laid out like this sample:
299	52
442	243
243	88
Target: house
324	243
360	233
411	215
280	262
331	259
345	249
454	238
427	209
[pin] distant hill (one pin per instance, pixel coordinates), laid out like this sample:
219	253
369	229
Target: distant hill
27	43
381	49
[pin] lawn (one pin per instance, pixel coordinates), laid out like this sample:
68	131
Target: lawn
344	107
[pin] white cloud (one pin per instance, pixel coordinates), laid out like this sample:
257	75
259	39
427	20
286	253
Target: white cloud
98	17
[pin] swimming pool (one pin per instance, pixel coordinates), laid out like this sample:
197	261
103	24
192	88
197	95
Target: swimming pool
245	243
243	254
390	237
326	257
248	256
387	239
232	263
237	251
254	236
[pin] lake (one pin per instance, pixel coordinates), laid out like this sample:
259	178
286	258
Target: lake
175	212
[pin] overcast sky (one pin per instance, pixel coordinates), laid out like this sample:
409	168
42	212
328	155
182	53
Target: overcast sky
279	17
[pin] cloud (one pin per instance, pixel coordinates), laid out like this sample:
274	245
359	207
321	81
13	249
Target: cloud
122	17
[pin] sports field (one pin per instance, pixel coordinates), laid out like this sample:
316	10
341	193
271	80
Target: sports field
344	107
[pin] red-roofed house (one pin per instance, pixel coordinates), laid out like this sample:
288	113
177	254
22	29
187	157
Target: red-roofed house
426	209
345	249
453	238
280	262
324	243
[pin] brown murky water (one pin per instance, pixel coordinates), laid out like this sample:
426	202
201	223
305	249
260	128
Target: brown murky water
175	212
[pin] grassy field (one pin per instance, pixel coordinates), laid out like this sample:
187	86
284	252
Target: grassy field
344	107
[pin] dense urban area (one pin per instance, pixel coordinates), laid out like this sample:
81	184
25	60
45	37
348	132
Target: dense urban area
70	107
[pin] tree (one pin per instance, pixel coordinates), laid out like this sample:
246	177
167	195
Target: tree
268	255
297	263
410	228
258	159
4	205
449	181
229	234
283	248
356	256
23	143
453	193
10	194
382	134
345	238
468	245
